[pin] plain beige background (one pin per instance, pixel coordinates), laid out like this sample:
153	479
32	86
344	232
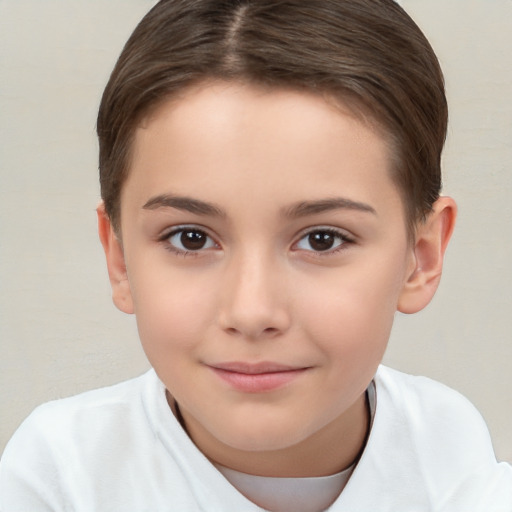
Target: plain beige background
59	332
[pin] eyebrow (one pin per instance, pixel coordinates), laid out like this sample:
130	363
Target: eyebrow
301	209
184	203
306	208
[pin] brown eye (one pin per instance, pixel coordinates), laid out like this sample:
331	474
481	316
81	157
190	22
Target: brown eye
186	240
193	240
322	240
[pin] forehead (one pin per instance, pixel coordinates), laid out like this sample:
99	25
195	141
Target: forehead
284	143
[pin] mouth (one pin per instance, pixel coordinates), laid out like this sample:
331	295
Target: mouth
256	377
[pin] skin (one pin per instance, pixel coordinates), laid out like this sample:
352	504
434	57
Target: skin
301	260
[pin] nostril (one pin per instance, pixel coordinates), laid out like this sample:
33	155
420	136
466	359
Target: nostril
267	332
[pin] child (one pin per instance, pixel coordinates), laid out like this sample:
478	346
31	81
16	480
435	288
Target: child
270	175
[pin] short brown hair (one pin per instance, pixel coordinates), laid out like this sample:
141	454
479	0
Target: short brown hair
368	52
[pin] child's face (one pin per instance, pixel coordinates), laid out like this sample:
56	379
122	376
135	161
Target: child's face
266	252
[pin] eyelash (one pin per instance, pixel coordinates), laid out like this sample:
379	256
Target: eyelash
344	238
335	233
166	240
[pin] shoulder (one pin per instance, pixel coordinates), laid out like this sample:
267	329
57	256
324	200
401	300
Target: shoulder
432	410
57	451
422	392
57	416
62	427
438	404
428	449
437	443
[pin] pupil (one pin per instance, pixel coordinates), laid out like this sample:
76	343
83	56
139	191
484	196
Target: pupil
193	240
321	241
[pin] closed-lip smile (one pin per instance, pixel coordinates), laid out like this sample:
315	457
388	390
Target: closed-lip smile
256	377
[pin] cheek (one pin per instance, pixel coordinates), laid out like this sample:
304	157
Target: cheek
351	314
172	312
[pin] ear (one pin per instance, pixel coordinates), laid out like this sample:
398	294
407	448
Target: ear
432	237
121	293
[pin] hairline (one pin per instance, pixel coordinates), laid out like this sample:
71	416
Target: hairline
344	101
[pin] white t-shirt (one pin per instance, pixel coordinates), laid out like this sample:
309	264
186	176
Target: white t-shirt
121	449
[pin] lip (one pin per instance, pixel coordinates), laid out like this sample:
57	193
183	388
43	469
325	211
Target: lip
256	377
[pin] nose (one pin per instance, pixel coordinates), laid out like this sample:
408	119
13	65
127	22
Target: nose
254	300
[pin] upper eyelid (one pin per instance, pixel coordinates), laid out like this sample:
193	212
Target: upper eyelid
347	241
164	236
167	232
344	233
341	232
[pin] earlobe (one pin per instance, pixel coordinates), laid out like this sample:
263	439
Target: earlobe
432	237
121	293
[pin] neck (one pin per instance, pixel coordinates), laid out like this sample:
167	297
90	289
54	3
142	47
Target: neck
340	444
